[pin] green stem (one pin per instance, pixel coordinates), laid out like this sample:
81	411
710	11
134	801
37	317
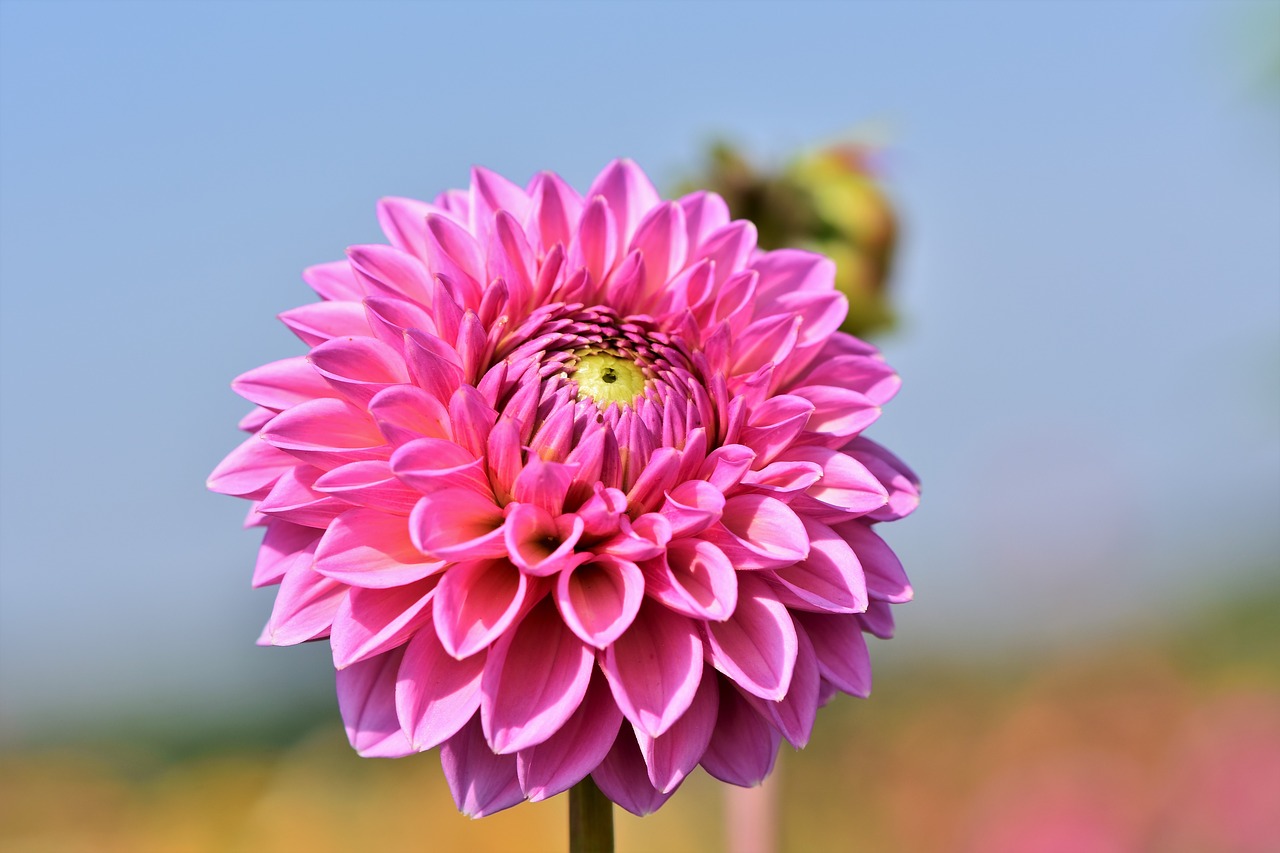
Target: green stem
590	819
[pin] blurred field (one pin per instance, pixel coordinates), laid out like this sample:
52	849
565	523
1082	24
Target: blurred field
1168	742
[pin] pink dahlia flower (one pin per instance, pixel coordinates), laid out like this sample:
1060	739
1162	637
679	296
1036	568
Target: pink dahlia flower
575	485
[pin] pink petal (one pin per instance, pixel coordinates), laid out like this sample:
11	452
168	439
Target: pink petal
358	368
481	783
692	507
432	464
759	532
404	221
725	466
695	579
372	621
820	313
577	748
555	210
846	489
454	254
544	484
840	649
743	745
671	756
659	474
729	247
624	779
321	321
901	483
304	607
793	271
390	318
325	433
333	280
886	579
491	193
654	668
294	499
837	412
629	193
368	484
406	412
435	694
284	546
878	620
536	543
475	603
250	470
663	240
599	599
772	427
434	365
391	272
282	384
367	548
535	678
794	714
756	646
458	524
595	246
830	578
366	698
704	213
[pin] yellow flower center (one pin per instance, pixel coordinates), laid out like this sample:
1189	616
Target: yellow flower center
608	379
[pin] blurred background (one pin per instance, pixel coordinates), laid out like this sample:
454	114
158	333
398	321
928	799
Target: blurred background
1060	220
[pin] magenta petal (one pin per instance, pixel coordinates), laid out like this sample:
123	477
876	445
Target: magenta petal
456	255
629	193
536	543
886	579
756	646
772	427
743	745
840	649
595	246
435	694
325	432
830	578
536	676
391	272
569	755
481	783
431	464
654	668
662	239
366	698
554	211
333	280
544	484
371	621
838	412
793	271
358	368
704	213
322	321
878	620
674	754
293	498
404	221
367	548
369	484
476	602
304	607
624	779
725	466
433	364
599	599
692	507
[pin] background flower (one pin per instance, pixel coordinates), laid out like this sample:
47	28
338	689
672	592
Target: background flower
575	485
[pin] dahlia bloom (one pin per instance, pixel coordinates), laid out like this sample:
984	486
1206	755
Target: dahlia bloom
575	486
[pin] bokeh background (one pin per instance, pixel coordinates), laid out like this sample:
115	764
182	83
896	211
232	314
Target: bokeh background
1087	292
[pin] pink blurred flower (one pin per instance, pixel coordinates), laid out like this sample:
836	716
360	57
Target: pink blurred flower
575	486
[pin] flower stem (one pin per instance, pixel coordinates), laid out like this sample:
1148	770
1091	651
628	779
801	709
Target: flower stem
590	819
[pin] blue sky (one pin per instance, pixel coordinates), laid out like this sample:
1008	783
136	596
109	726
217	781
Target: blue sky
1090	283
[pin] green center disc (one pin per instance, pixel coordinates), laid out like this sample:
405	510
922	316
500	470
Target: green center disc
608	379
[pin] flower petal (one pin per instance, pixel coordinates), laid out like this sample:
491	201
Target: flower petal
481	783
886	579
371	621
654	668
830	578
840	649
756	646
624	779
671	756
372	549
577	748
366	698
475	603
435	693
743	744
599	598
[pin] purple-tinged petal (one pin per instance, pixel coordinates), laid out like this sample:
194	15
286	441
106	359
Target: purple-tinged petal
435	693
595	246
371	621
759	532
820	313
282	384
577	748
431	464
846	489
840	649
390	318
475	603
505	457
784	480
367	548
512	259
256	419
659	474
481	783
333	280
491	193
769	340
535	678
772	427
792	271
642	539
886	579
725	466
391	272
544	484
404	221
662	239
901	483
294	499
729	247
654	668
433	364
704	214
599	598
830	578
624	779
671	756
321	321
695	579
539	543
692	507
878	620
457	524
554	212
366	699
743	745
284	546
602	513
756	646
838	412
304	607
